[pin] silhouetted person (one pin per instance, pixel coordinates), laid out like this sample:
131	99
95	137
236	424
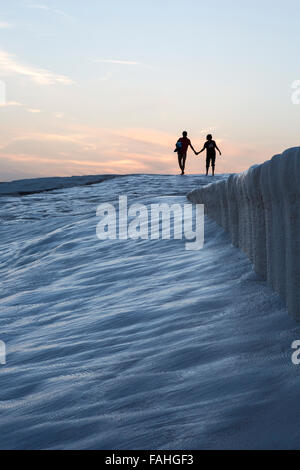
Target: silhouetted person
210	146
181	148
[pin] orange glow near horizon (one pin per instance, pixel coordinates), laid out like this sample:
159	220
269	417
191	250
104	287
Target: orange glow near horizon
82	150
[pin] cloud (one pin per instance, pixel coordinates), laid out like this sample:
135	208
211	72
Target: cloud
17	104
10	65
4	24
38	6
105	77
115	61
10	103
82	148
50	9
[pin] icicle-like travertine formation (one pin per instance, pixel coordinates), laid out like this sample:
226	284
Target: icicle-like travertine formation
260	209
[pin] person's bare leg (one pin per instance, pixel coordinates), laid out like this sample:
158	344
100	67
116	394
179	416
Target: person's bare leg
180	162
207	165
183	163
213	171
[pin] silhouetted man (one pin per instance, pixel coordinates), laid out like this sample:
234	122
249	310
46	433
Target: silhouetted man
181	148
210	146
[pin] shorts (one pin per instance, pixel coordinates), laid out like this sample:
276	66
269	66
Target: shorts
182	154
210	159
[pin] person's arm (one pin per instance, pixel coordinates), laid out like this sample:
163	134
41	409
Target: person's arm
190	144
218	149
201	150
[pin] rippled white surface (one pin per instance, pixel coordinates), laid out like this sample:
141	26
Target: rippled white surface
137	344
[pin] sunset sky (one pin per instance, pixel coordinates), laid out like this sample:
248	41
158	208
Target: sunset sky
98	86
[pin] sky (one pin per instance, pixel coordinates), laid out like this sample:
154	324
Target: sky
99	87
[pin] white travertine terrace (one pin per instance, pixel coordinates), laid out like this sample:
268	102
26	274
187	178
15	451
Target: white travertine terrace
260	209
